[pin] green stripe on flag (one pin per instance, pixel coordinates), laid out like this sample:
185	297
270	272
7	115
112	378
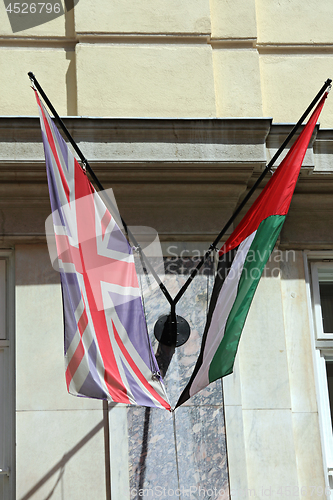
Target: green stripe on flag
255	261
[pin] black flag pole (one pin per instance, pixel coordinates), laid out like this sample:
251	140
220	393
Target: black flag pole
96	181
107	451
268	167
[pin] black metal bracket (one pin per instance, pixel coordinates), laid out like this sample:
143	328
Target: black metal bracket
171	333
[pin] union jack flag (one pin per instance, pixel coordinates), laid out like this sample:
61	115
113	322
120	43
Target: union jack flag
108	354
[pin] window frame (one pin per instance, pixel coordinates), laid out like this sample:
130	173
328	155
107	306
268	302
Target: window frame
315	272
8	345
315	264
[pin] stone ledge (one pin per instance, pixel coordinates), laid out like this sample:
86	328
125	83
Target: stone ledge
184	177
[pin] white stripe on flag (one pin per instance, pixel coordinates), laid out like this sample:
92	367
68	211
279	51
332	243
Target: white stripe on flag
220	314
87	339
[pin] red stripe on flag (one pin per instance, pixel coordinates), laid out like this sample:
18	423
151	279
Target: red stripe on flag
53	148
136	370
74	363
112	377
87	231
105	221
83	322
68	253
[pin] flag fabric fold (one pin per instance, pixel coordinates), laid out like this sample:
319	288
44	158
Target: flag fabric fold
241	262
108	354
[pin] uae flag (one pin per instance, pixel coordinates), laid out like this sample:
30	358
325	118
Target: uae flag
241	262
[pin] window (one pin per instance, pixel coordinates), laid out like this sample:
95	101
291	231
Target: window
322	296
7	412
326	300
320	281
329	373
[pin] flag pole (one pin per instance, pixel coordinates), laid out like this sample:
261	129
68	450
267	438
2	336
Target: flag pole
212	247
95	179
107	449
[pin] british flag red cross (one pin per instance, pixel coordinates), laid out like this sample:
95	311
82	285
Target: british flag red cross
108	354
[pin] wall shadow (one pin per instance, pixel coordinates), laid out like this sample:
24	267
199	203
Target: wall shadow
61	464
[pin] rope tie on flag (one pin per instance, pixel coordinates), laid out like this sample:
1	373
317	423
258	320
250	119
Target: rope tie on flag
213	248
33	86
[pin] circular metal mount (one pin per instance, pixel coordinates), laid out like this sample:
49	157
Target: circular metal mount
163	330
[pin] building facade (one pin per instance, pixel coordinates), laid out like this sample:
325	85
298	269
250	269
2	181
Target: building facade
178	108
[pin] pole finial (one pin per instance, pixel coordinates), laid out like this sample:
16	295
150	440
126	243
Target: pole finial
32	79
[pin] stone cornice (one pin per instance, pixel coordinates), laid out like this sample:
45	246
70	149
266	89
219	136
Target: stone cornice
52	42
231	129
131	38
135	150
294	48
184	177
143	149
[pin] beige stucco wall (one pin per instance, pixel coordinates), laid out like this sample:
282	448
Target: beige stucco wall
150	16
270	401
237	82
53	69
62	26
145	80
201	58
289	83
295	22
233	20
205	59
57	434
